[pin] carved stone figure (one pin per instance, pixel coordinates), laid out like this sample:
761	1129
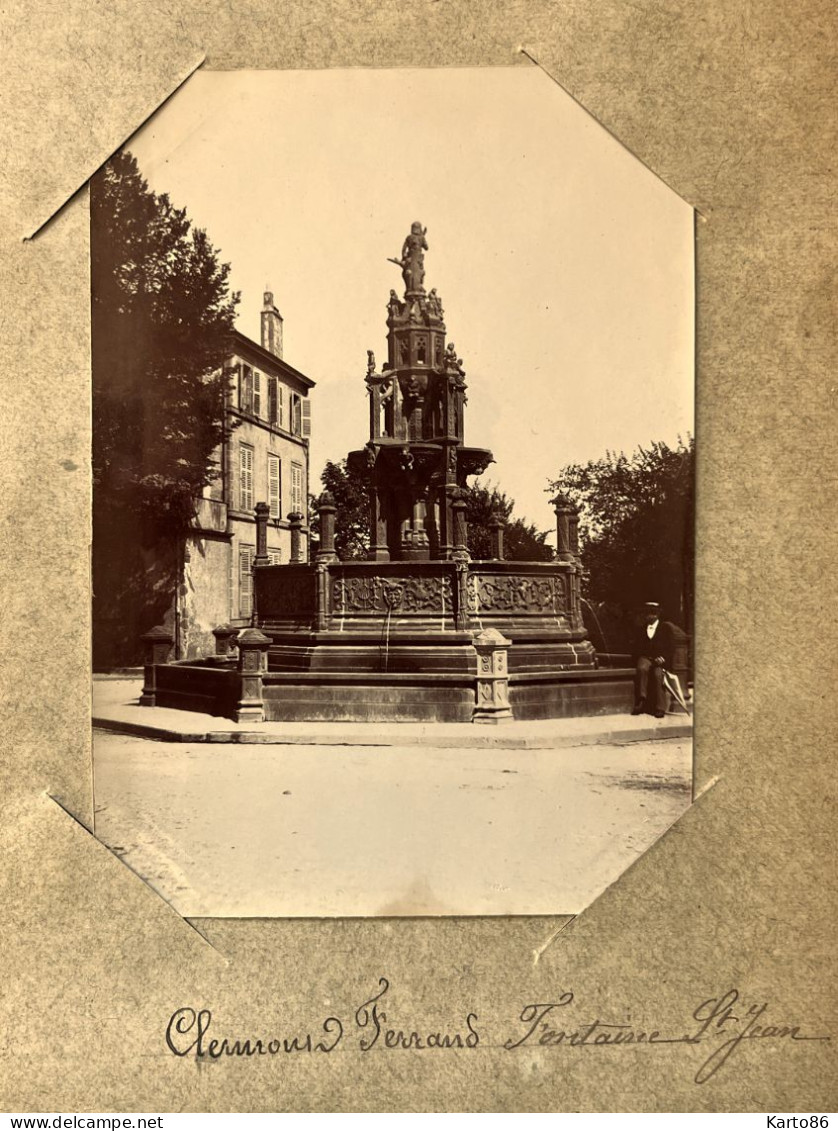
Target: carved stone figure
370	363
435	303
452	362
412	260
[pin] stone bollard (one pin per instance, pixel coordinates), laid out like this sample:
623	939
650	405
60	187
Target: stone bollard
225	643
565	510
262	513
295	520
158	644
492	692
496	535
573	531
326	551
253	655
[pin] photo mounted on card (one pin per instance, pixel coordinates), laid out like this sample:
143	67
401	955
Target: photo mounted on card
393	382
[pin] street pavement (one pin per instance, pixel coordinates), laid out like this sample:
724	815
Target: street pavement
348	828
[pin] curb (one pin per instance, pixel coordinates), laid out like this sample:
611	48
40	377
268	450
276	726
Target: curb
473	741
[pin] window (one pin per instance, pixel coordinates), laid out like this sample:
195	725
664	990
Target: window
296	414
245	477
273	401
246	556
246	389
274	486
297	488
274	557
306	419
257	393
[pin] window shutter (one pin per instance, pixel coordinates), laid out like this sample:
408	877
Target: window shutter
246	390
257	393
246	554
274	488
280	397
275	557
231	584
296	487
246	478
306	406
272	401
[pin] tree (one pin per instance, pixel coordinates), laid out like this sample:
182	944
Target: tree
161	327
522	542
352	517
162	320
636	526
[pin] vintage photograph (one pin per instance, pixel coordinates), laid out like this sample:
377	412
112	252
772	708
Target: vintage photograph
393	479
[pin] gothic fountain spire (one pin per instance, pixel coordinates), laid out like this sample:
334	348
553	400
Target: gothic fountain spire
416	455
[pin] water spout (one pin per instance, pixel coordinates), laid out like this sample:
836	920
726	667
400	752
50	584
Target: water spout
584	601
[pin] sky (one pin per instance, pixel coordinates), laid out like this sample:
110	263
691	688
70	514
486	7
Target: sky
565	267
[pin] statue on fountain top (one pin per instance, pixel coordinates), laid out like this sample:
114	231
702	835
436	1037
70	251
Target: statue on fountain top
412	260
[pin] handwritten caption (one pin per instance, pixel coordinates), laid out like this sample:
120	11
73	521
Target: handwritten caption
719	1024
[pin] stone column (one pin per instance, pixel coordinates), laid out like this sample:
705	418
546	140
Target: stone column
458	506
326	552
492	690
262	513
375	408
296	521
496	534
379	551
157	643
564	510
253	655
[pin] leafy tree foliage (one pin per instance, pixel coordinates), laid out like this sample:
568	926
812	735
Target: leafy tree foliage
636	527
522	542
352	518
161	326
162	319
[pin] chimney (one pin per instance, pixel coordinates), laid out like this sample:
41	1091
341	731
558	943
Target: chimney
271	326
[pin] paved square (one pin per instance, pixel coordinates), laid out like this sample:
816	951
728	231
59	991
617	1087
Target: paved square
294	830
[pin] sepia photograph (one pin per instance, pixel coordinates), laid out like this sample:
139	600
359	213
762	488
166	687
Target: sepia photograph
393	497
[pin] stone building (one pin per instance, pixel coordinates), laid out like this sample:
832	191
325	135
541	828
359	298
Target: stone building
264	460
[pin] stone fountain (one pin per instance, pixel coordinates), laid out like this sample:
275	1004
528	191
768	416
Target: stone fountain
420	631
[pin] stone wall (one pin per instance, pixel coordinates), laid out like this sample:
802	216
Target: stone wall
204	595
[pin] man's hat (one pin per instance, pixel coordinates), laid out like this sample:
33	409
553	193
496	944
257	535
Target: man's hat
652	606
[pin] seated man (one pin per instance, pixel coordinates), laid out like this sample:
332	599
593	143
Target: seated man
652	655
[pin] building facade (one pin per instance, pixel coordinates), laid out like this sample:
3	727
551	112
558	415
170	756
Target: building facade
265	459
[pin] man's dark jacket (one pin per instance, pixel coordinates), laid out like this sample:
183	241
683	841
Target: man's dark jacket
661	644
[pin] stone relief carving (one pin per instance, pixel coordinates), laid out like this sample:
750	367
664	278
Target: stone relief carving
402	594
512	593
